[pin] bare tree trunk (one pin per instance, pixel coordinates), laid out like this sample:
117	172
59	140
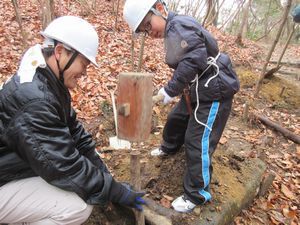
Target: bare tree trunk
19	20
283	22
233	15
173	5
195	8
86	8
68	4
191	7
286	44
271	28
239	38
60	12
266	22
278	66
94	5
209	6
212	14
117	14
47	12
214	19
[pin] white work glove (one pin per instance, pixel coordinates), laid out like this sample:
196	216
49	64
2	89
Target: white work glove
167	98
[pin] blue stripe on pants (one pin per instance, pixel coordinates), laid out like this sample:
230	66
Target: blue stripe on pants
205	149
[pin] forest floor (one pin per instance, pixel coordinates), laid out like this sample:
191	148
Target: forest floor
241	140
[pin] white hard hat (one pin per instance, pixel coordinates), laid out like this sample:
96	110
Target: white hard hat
76	33
135	11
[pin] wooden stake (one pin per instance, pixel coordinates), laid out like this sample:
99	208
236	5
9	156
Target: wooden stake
282	91
246	112
135	172
141	54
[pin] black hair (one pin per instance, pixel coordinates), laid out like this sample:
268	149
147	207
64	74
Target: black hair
49	51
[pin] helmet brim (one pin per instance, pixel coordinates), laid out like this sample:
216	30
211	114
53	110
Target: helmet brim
92	60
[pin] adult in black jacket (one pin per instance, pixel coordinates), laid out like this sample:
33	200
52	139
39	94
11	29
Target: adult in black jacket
205	76
49	170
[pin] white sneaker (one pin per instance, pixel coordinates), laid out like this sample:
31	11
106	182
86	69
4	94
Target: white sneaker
181	204
158	152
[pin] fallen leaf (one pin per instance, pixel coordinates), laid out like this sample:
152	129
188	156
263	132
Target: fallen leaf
287	192
223	140
276	217
233	128
165	202
288	213
168	197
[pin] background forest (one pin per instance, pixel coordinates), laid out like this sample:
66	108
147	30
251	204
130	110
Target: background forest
262	40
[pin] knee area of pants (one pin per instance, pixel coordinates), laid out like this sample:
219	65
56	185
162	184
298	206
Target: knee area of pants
77	215
187	140
87	212
80	216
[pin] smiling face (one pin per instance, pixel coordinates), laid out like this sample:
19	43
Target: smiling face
75	71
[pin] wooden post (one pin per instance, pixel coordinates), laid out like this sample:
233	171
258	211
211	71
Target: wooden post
134	105
132	52
141	54
135	172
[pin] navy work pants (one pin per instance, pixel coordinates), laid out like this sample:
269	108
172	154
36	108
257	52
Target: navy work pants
200	142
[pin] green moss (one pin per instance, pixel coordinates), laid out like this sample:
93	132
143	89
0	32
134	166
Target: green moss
247	77
272	89
282	92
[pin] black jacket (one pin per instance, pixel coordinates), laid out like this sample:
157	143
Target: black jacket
40	136
188	46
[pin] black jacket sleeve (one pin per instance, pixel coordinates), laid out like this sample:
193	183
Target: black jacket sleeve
83	142
58	154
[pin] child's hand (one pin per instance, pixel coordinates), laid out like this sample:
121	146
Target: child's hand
167	98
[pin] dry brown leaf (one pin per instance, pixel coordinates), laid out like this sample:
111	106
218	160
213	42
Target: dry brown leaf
284	164
223	140
165	202
156	110
169	198
298	152
285	190
234	128
274	156
276	217
288	213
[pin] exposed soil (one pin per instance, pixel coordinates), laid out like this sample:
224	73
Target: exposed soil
162	177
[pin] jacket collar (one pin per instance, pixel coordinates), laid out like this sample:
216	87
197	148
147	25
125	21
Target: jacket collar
170	17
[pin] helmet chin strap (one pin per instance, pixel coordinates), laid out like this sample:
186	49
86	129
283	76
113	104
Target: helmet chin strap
61	71
158	13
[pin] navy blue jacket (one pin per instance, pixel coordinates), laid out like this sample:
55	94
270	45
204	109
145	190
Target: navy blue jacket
188	46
